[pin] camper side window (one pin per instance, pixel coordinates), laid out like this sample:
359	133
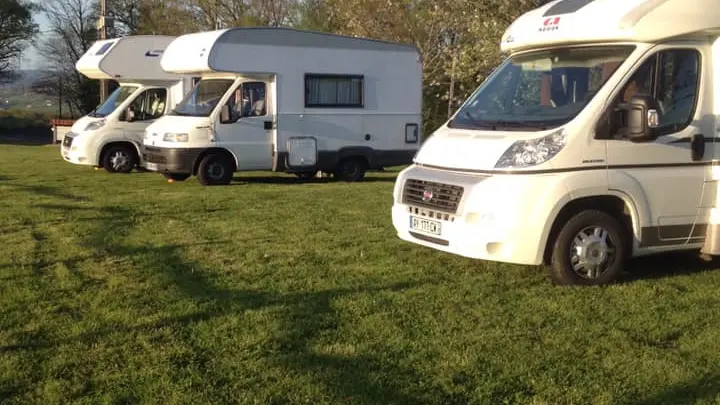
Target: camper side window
672	78
328	91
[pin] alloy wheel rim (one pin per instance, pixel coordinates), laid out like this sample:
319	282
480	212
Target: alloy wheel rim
119	160
592	252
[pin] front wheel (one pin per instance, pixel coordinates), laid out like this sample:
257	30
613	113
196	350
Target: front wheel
589	250
215	170
119	159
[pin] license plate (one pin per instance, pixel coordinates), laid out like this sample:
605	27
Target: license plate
425	225
151	166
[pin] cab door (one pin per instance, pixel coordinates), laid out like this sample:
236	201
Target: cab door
672	170
145	109
247	130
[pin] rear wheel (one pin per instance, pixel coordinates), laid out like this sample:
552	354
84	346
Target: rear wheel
591	249
306	175
119	159
215	170
351	170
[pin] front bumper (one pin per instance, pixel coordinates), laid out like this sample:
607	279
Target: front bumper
170	160
501	218
75	152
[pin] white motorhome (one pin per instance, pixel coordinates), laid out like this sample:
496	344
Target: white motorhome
284	100
111	135
593	142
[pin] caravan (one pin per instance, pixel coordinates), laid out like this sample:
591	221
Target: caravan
593	142
286	100
111	135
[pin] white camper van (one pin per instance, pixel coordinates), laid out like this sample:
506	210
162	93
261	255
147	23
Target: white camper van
111	135
288	101
593	142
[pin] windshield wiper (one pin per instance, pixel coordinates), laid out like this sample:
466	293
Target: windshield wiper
494	124
178	113
481	123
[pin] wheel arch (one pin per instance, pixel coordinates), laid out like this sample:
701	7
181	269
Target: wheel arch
124	142
354	152
216	150
616	203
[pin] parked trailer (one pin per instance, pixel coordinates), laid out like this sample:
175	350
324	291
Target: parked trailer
593	142
111	135
284	100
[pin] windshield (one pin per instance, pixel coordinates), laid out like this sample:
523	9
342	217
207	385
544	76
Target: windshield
113	101
540	90
201	100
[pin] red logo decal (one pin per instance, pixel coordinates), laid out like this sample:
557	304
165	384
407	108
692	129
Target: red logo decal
550	24
551	21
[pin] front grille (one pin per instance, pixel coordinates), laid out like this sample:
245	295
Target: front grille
153	158
443	197
154	155
67	141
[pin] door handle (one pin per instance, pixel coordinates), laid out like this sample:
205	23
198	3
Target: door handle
268	125
697	147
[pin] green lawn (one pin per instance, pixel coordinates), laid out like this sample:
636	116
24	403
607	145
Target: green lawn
126	289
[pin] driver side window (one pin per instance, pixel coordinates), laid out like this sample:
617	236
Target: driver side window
148	105
671	77
248	100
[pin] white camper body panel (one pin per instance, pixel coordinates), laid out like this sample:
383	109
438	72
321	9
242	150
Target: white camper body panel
520	182
286	62
106	137
135	58
567	22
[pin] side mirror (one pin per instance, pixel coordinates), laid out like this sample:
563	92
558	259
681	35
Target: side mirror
643	118
225	114
129	115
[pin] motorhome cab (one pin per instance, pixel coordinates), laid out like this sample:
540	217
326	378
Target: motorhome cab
111	135
275	99
593	142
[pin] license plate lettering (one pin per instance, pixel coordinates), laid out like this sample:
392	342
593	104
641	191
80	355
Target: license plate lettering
425	225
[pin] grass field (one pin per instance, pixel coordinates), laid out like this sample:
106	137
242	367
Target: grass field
125	289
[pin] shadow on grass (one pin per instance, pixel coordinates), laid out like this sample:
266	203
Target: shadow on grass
45	191
667	265
705	390
306	319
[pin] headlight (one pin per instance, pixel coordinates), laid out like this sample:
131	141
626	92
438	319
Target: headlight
95	125
170	137
533	152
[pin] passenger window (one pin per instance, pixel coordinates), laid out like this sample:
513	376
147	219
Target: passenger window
671	77
677	88
149	105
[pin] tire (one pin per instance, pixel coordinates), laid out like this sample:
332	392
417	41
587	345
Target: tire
176	176
119	159
603	260
351	170
215	170
305	175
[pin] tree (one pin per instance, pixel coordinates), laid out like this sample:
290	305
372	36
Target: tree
17	30
459	40
71	33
